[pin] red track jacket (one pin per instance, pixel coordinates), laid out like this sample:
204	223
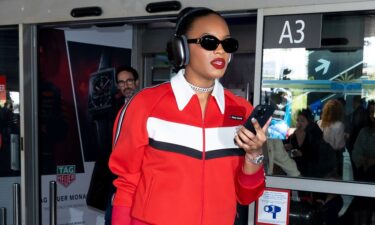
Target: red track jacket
175	168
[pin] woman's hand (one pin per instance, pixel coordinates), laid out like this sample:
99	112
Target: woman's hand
295	153
288	146
250	142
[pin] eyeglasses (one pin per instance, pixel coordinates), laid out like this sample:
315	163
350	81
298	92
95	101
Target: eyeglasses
211	43
123	82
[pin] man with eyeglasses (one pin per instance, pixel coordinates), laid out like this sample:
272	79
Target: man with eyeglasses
127	83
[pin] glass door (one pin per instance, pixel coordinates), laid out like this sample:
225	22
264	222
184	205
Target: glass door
10	166
318	71
76	95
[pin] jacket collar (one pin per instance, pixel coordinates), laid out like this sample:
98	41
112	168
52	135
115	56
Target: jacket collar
183	92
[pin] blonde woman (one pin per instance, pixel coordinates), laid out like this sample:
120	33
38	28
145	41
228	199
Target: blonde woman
333	129
331	124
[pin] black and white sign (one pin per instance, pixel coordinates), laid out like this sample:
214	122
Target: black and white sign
331	65
295	31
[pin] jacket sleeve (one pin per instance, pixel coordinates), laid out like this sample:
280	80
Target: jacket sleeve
129	141
249	187
121	216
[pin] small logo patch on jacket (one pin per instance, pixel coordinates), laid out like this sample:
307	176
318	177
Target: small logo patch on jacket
234	117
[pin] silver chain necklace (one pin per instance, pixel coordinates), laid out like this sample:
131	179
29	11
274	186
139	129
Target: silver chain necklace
200	89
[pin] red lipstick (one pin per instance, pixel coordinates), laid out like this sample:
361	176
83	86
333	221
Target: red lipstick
218	63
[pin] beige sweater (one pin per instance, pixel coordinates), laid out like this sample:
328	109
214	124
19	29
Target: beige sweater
276	154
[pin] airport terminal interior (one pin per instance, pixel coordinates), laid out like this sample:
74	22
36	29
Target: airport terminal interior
317	69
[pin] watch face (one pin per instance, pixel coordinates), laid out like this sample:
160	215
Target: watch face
258	160
101	86
255	160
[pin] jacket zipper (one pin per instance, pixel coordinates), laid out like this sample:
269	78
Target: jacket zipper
203	159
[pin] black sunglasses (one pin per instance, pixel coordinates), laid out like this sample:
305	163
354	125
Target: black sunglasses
210	43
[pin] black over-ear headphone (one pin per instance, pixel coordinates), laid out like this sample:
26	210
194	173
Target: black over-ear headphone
177	47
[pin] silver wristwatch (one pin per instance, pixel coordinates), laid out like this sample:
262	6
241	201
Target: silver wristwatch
255	160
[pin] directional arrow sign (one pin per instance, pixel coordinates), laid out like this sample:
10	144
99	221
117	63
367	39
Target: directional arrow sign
324	64
337	63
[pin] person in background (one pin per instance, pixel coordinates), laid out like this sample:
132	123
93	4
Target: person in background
345	119
9	126
303	142
332	125
364	161
180	151
315	158
275	153
364	147
127	84
101	186
334	134
127	80
355	121
334	129
6	120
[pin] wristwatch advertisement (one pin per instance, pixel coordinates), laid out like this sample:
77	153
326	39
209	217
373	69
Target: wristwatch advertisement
102	85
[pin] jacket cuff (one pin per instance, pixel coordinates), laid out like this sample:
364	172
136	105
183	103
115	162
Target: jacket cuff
251	180
121	215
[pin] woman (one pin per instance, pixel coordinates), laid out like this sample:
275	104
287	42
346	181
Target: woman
334	130
315	158
180	152
364	160
332	125
364	147
302	144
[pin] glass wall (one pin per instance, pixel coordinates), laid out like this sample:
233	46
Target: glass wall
318	72
9	121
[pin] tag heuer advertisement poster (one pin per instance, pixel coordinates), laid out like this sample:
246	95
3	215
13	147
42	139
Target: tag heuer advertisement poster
76	85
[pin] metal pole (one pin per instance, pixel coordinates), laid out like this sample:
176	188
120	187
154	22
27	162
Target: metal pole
15	152
247	90
16	204
3	216
52	203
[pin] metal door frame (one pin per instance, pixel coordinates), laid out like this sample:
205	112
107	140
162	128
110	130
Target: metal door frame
30	184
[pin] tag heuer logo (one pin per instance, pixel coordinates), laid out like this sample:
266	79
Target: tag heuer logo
65	175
